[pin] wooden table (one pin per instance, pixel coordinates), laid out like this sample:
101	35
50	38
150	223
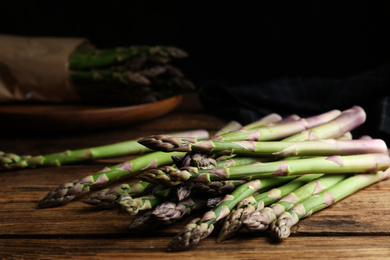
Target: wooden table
356	227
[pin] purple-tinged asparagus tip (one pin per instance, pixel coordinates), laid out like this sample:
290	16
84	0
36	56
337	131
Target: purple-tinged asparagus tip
63	194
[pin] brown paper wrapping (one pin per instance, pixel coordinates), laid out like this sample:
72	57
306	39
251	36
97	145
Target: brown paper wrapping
36	68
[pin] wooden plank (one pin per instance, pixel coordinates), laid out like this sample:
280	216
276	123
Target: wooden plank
362	213
121	247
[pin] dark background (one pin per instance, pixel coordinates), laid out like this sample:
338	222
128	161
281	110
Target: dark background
231	42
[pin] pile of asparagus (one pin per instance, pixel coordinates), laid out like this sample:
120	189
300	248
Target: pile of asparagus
133	75
265	176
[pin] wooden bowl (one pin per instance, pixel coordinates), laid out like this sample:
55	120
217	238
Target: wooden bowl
78	117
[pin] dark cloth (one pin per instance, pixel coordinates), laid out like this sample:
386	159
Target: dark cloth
306	97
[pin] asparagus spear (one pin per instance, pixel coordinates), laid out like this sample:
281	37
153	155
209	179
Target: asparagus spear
334	164
132	206
85	154
144	221
260	219
169	212
127	78
280	228
74	189
110	197
167	175
92	58
284	148
166	142
345	122
229	127
206	161
234	221
166	213
267	120
200	228
362	163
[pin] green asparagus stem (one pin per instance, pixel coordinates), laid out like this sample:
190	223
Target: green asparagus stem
281	227
362	163
285	148
229	127
170	176
345	122
206	161
74	189
260	219
234	221
264	121
92	58
200	228
110	197
132	206
87	154
166	142
9	158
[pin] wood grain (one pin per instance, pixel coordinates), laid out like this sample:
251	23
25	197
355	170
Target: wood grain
356	227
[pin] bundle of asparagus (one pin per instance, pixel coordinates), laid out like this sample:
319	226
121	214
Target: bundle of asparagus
263	176
132	75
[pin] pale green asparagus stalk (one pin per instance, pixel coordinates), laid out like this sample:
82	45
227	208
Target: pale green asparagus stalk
86	154
207	161
285	148
345	122
74	189
280	229
234	221
229	127
334	164
260	219
267	120
200	228
132	205
162	175
362	163
276	132
110	197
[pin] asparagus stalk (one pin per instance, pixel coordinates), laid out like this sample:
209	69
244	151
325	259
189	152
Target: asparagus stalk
284	148
264	121
92	58
127	78
86	154
345	122
202	160
144	221
362	163
74	189
280	229
229	127
169	175
195	159
234	221
169	212
200	228
132	206
166	213
110	197
260	219
166	142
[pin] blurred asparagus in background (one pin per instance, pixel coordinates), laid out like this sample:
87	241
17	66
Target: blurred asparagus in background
132	75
